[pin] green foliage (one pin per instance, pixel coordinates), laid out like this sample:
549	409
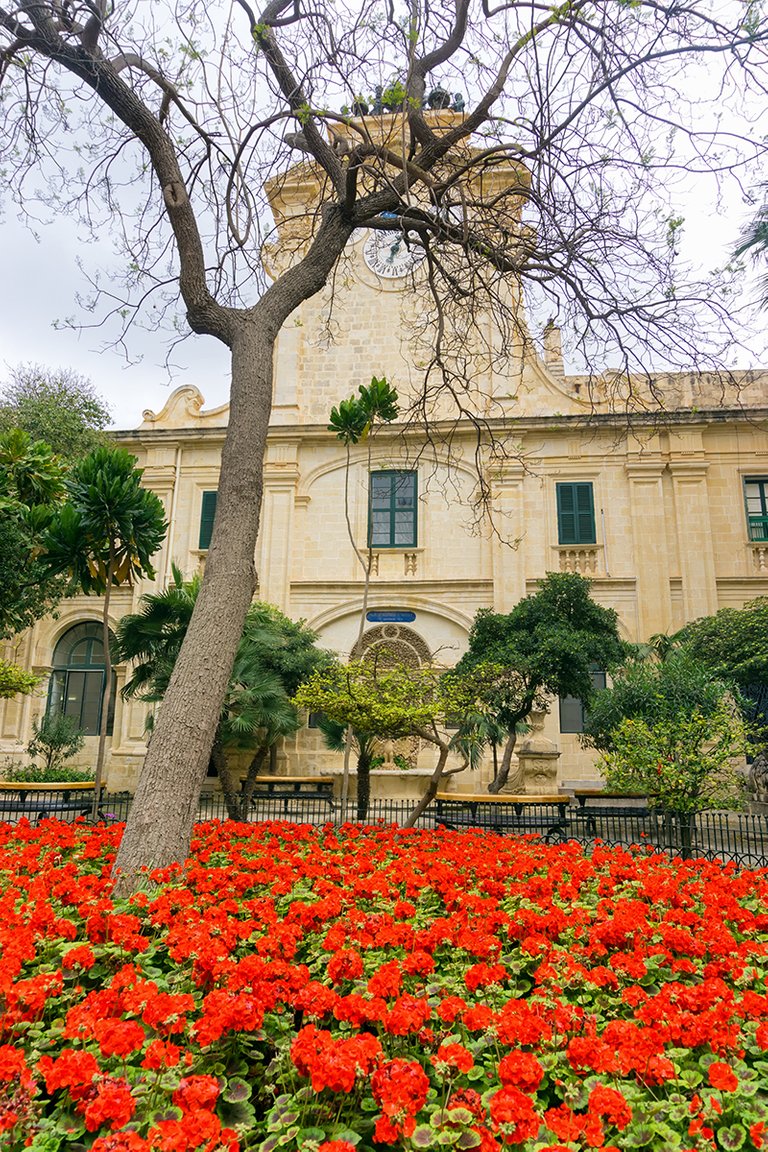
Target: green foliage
57	406
30	474
274	656
665	693
545	646
31	488
353	419
56	739
32	774
684	763
14	681
733	643
110	527
386	701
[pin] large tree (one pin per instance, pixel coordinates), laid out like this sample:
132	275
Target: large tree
31	489
165	131
57	405
546	646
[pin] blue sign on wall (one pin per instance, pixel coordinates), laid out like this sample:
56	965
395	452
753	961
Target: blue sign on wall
387	617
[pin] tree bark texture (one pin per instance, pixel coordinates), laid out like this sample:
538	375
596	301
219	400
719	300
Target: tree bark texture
432	787
227	780
363	784
249	784
502	775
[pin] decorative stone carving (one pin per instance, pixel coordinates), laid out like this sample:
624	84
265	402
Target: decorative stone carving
758	778
537	757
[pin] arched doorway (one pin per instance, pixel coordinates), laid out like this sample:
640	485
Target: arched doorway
77	678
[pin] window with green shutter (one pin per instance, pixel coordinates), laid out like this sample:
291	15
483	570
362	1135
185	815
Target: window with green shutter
392	510
575	514
207	515
756	500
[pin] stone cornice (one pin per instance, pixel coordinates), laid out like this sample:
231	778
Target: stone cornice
595	421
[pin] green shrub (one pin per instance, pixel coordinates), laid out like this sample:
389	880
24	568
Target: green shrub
56	739
32	774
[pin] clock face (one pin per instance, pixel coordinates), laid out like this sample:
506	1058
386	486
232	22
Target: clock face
388	255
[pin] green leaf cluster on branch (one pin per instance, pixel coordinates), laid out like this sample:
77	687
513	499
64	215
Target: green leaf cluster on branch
353	419
14	681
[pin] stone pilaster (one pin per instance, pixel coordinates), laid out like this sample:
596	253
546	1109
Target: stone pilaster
694	538
646	511
276	532
508	540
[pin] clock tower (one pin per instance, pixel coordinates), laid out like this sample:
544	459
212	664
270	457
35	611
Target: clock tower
373	317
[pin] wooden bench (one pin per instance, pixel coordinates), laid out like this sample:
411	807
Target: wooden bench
594	803
46	800
504	813
287	788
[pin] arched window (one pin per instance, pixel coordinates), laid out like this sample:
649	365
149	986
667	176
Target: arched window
393	643
77	678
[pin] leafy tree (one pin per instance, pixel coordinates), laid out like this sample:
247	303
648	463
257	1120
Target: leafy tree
57	406
671	729
683	763
31	488
200	105
14	681
545	646
274	656
379	700
105	536
658	693
733	645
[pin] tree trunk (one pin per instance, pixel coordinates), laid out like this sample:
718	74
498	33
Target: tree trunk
363	783
159	826
432	787
228	786
106	699
502	774
249	784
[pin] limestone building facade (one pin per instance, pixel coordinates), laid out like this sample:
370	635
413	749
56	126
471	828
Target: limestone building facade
667	516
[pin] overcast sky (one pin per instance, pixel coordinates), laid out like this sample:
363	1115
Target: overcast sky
41	281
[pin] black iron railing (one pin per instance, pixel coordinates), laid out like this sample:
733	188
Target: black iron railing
734	836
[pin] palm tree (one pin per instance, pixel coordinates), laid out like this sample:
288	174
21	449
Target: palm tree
274	655
104	536
754	240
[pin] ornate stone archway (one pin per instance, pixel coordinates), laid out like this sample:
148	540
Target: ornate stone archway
397	645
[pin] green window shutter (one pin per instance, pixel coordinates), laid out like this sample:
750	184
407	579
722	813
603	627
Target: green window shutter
207	516
575	514
756	500
392	510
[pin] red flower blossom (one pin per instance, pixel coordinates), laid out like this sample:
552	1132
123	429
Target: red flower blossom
452	1056
513	1113
722	1076
521	1070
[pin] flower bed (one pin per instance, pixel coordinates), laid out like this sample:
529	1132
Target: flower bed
329	989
